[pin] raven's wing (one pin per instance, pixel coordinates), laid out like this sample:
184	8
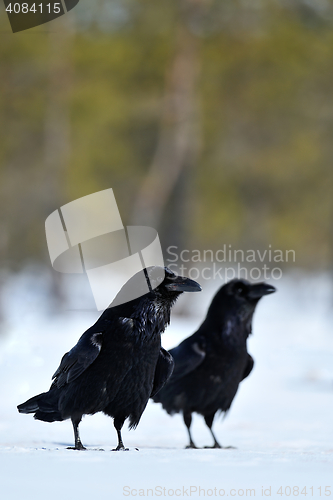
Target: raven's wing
77	360
188	356
249	366
163	371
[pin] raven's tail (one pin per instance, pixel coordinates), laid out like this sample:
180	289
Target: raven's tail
44	406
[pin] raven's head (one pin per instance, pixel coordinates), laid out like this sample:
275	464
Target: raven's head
164	282
243	291
148	297
154	282
235	302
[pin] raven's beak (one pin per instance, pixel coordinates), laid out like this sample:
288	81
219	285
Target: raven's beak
259	290
181	284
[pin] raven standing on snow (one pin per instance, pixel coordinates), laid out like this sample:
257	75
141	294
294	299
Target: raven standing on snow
118	363
211	363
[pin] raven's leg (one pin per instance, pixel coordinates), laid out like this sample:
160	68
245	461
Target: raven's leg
78	444
118	423
209	422
188	420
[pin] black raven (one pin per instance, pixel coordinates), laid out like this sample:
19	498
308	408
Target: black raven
118	363
210	364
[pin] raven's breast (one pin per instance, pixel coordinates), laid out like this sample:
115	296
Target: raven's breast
135	388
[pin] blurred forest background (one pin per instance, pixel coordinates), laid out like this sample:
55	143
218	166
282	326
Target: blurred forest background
212	120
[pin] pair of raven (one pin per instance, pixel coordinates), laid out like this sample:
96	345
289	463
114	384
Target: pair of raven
118	363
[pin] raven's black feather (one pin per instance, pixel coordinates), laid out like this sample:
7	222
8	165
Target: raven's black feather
164	368
210	364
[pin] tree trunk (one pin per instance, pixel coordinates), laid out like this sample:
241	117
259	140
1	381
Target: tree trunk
177	146
57	128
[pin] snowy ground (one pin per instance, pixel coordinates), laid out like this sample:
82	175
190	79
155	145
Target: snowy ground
280	423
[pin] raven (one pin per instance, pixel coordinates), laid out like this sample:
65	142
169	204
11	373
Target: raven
210	364
118	363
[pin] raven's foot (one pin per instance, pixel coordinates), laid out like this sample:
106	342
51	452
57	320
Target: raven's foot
191	446
120	448
215	446
77	447
219	447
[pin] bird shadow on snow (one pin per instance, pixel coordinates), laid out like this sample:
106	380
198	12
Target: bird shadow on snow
91	447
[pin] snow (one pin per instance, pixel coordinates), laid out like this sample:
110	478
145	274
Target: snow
280	421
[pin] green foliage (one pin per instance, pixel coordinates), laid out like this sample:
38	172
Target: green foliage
264	173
